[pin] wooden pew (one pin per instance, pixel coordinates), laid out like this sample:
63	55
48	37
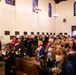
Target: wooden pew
26	67
18	72
18	60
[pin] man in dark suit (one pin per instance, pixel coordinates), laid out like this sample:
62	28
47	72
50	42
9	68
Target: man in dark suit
19	48
29	44
10	60
24	41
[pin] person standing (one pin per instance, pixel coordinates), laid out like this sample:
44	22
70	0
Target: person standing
72	54
40	51
10	60
61	66
19	48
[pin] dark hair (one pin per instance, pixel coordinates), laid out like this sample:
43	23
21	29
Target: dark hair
58	36
9	44
74	46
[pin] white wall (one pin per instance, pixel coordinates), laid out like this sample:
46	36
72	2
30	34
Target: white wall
65	10
21	18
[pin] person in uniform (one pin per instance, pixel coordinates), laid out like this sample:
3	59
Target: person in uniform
10	60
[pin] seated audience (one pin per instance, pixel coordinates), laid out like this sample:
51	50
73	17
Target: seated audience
59	55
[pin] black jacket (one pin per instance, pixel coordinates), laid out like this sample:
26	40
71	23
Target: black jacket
10	62
21	47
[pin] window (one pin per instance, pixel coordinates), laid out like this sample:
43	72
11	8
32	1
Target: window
12	2
49	10
73	30
16	32
25	33
65	33
12	36
50	33
7	32
32	33
38	33
42	33
35	4
47	33
75	9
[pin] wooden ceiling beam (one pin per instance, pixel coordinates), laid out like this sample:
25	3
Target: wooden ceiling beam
58	1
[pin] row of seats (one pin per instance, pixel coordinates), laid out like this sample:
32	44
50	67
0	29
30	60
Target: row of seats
26	67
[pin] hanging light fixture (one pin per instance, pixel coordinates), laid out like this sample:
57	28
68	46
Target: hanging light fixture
55	15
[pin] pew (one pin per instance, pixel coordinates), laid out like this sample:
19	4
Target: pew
18	60
18	72
26	67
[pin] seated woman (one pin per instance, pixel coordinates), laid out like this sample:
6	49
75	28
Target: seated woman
61	66
40	51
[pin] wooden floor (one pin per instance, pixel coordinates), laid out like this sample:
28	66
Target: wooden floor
1	68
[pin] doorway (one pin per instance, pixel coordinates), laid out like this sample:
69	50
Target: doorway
73	30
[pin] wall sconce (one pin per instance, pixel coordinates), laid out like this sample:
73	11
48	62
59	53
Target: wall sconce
36	9
55	16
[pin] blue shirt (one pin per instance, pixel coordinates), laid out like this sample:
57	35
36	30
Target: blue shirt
41	52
